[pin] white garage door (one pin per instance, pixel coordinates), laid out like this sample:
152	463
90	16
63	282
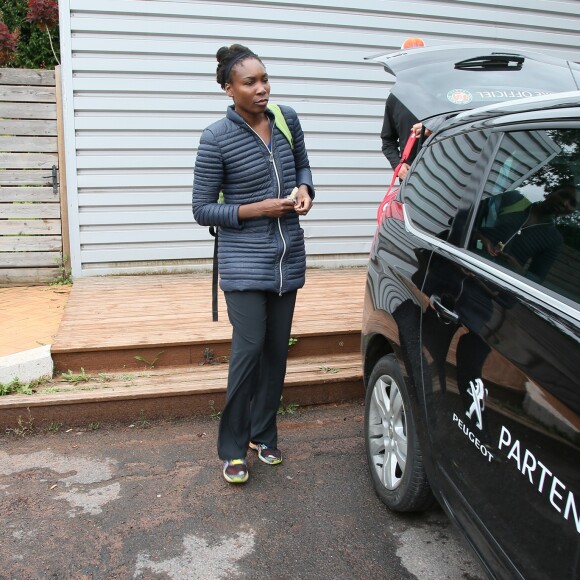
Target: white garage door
139	87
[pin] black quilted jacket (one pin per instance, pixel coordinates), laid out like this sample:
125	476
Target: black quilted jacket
262	253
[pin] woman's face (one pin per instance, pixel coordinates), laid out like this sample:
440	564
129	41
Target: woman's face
561	201
250	87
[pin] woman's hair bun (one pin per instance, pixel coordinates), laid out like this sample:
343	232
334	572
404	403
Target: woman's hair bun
224	56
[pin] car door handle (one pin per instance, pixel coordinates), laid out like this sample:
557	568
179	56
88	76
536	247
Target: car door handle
443	311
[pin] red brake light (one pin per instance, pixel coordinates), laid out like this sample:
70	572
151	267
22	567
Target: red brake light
394	210
390	208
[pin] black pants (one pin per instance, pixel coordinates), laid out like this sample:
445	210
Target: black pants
261	330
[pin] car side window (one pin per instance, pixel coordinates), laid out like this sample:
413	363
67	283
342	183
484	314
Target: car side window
439	181
528	219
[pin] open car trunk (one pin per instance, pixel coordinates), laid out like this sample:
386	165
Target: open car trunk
435	81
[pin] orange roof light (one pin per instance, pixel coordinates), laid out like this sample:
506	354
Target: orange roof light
412	42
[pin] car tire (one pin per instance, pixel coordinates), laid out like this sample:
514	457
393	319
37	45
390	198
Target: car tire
393	452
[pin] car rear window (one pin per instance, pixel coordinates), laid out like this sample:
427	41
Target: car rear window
444	175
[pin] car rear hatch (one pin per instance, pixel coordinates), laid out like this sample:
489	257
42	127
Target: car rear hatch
440	80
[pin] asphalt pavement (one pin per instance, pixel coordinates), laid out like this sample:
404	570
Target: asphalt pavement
147	500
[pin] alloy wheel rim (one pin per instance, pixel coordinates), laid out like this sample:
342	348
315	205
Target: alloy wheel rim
387	432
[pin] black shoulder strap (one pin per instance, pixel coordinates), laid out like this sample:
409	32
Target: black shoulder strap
214	276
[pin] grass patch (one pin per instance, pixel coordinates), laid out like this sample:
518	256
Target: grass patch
17	386
149	363
289	409
73	378
213	412
209	358
24	426
52	390
143	422
64	277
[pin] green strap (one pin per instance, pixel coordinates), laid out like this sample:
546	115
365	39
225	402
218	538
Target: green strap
518	206
280	122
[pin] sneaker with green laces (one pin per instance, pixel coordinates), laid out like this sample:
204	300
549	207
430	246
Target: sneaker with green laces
236	471
269	455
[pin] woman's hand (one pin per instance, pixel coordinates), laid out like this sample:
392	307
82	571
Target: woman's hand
277	207
491	248
303	201
271	207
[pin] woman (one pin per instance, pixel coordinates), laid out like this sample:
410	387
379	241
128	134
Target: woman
523	235
262	260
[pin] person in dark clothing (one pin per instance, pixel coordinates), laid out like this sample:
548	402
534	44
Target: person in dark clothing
522	234
398	123
263	172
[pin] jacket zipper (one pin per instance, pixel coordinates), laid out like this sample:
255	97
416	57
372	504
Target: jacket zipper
271	153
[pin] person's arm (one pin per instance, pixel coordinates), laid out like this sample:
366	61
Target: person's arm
389	135
207	183
302	164
304	182
272	207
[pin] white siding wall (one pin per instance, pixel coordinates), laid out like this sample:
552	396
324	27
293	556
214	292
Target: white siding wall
139	87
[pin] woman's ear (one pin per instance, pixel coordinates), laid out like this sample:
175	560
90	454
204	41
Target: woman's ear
228	90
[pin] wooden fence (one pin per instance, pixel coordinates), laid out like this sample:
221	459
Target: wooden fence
31	242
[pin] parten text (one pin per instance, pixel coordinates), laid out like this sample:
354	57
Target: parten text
541	477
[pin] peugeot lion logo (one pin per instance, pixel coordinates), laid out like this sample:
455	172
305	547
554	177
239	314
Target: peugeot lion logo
478	392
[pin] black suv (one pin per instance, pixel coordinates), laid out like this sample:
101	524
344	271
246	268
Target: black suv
471	328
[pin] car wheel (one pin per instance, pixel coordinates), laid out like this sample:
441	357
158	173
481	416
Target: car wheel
393	452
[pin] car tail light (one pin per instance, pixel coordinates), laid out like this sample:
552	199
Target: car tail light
394	210
390	207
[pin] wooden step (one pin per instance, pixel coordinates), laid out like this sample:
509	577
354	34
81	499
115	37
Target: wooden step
171	392
171	355
120	322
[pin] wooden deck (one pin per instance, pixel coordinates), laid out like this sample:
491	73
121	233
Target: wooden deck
145	346
167	319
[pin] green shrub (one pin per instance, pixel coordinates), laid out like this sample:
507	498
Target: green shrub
33	49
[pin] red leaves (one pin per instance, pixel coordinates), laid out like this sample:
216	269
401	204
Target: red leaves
8	44
43	13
